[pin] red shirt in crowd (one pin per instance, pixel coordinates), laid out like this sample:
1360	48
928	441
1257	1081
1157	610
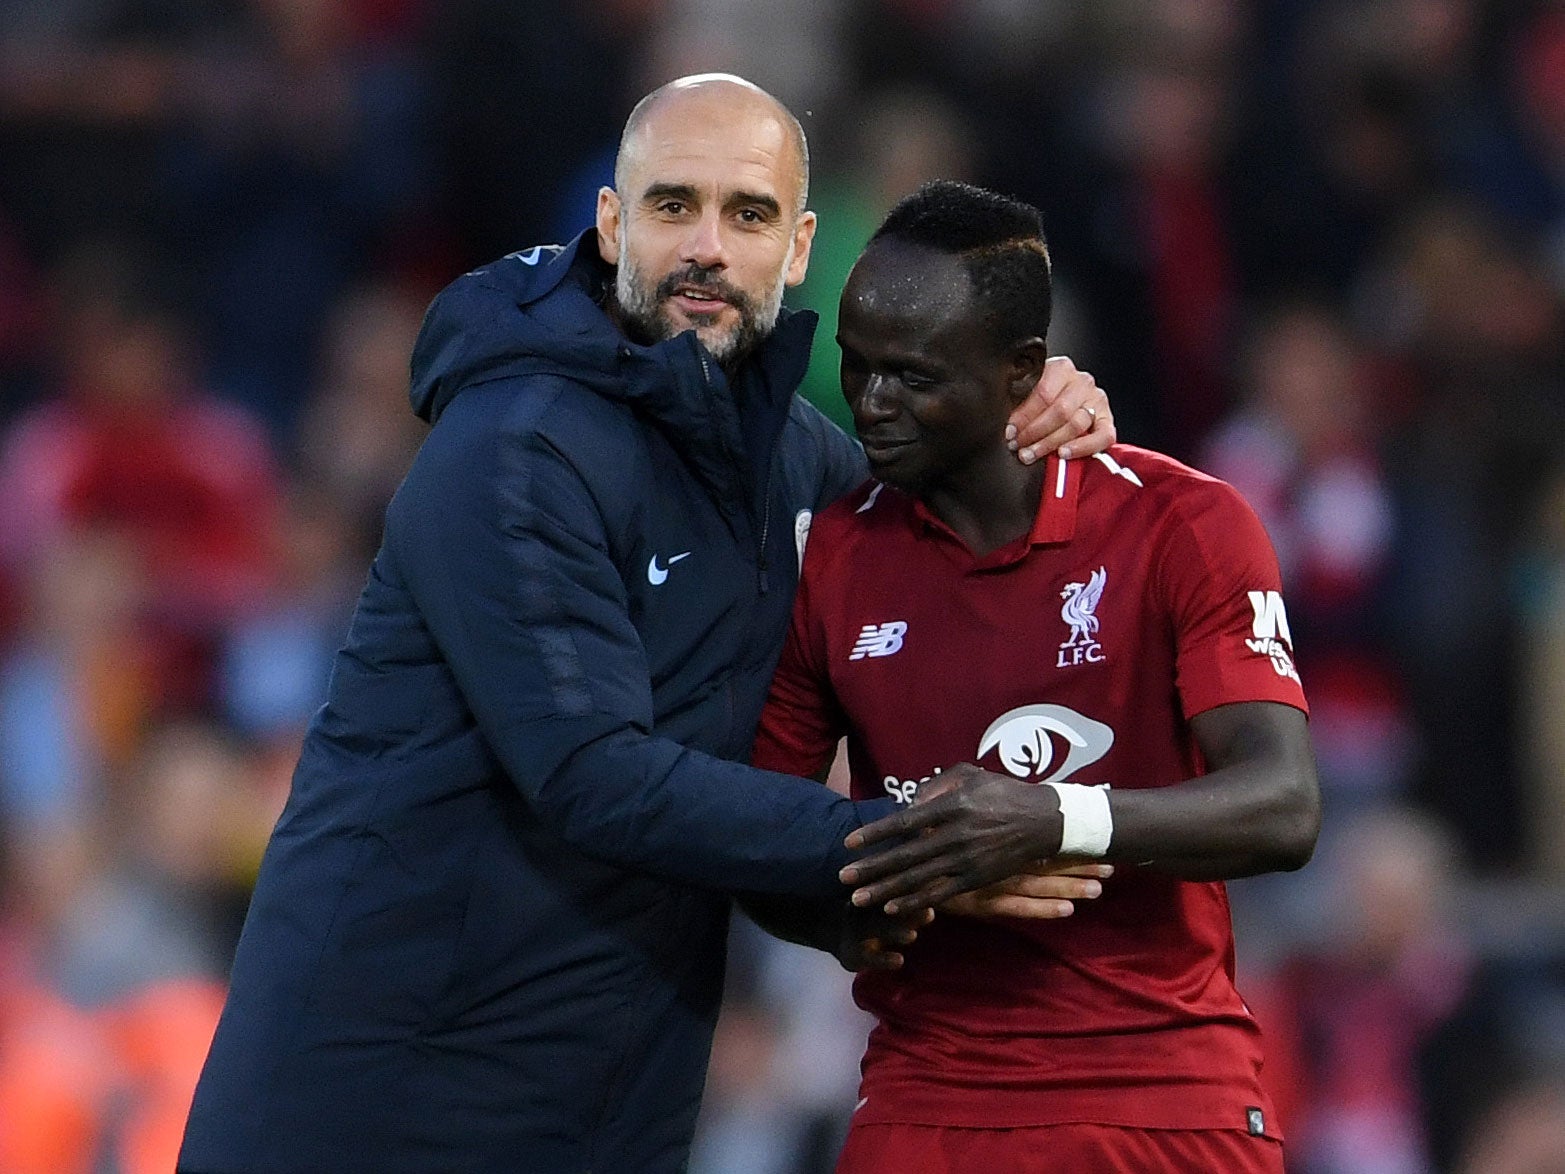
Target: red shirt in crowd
1145	594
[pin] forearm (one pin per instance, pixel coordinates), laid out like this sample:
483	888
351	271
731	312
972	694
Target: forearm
647	804
1260	812
1215	868
1228	824
816	923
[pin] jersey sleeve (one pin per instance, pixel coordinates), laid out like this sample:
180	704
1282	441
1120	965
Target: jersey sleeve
802	722
1220	578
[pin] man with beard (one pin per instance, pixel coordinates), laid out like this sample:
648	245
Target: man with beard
488	933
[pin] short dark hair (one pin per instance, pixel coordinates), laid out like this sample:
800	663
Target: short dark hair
1000	242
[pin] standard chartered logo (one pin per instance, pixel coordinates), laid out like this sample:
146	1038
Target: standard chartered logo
1024	740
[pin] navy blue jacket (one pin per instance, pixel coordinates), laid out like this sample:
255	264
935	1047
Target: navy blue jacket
488	932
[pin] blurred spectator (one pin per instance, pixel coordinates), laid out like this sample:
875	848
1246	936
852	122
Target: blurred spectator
1543	628
1478	332
785	1061
1523	1134
357	436
76	687
56	1069
1539	88
133	447
523	94
110	998
1139	227
744	1126
1361	1007
277	659
789	47
149	914
22	322
300	153
1302	450
87	91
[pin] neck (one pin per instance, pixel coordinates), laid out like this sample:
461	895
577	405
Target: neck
991	504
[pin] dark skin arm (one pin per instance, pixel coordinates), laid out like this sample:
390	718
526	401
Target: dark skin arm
1258	810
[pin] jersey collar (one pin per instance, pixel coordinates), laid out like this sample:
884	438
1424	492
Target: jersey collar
1054	523
1056	518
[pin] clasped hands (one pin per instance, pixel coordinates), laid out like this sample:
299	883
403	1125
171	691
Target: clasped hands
974	844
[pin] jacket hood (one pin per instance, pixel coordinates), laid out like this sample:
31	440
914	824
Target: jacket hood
539	311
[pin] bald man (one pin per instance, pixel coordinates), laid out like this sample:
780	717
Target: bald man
488	932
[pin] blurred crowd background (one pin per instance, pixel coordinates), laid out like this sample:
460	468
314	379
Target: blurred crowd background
1316	247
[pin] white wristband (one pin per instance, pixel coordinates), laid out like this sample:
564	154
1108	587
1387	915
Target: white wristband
1084	814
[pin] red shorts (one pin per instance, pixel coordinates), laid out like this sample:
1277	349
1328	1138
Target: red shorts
1055	1149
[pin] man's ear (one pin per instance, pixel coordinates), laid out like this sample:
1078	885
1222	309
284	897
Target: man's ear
803	238
1028	358
609	212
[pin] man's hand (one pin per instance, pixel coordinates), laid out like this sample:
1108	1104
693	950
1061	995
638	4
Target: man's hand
1046	892
980	830
873	940
1067	410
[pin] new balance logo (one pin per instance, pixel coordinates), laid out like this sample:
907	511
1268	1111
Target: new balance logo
1270	635
879	640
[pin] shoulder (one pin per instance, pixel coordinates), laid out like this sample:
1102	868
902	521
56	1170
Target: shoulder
530	412
512	446
819	451
870	507
867	516
1201	538
1163	493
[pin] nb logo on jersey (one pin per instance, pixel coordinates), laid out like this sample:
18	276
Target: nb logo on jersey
1269	633
879	640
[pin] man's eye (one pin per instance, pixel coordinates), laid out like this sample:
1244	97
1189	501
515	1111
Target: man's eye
672	207
750	216
914	379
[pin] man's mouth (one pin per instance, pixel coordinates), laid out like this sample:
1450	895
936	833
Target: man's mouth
695	299
879	447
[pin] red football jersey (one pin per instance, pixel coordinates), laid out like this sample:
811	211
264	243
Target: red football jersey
1145	594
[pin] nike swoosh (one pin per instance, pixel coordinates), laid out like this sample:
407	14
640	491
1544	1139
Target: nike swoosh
656	575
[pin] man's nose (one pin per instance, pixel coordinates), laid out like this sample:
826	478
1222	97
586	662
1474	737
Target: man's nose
704	246
878	401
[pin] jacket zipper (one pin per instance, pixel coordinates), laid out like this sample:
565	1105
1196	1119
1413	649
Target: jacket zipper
766	525
766	506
